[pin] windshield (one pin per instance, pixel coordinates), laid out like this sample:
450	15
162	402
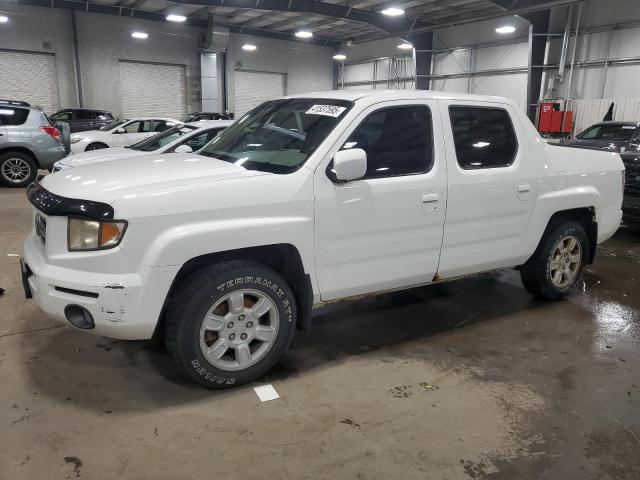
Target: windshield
163	138
278	136
608	132
112	125
188	117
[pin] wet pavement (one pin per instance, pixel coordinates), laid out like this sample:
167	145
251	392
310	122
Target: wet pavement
468	379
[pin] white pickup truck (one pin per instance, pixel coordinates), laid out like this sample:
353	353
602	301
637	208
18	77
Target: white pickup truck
308	200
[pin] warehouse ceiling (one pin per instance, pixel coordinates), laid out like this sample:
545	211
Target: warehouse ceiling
331	21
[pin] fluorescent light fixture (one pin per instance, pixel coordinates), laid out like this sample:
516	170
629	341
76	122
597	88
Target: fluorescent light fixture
4	19
341	57
392	11
405	46
505	29
176	18
249	48
304	34
141	35
481	144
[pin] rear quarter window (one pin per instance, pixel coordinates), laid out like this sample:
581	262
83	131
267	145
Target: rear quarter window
12	115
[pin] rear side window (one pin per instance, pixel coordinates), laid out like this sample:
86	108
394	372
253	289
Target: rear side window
85	115
398	141
484	137
13	115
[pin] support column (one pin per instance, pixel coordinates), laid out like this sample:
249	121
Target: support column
538	30
423	46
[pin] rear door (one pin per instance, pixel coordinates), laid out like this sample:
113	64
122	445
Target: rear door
492	187
383	231
84	120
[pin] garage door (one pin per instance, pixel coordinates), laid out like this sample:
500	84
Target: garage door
30	77
253	88
152	89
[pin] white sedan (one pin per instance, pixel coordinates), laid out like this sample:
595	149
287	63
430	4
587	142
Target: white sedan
120	133
185	138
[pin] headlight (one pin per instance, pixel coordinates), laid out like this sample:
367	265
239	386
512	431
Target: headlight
75	139
86	235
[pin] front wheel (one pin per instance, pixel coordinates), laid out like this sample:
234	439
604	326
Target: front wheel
230	323
556	267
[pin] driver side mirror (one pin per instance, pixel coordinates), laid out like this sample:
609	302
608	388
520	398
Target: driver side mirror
350	164
120	130
184	148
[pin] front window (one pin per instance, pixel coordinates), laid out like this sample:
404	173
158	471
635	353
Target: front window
161	139
608	132
278	136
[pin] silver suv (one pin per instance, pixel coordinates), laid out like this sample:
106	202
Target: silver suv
28	141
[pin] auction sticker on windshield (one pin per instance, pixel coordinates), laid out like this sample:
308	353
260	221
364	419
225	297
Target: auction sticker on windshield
326	110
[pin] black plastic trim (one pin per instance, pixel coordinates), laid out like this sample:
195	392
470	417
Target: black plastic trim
304	316
56	205
80	293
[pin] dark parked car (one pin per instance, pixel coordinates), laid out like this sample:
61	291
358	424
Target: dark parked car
197	116
82	119
631	201
612	136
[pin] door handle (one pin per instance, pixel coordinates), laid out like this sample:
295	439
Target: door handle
430	198
524	188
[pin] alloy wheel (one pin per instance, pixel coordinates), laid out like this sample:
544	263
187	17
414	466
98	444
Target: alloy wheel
15	170
565	261
239	329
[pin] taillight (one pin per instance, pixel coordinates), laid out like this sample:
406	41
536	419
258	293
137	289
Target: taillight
53	131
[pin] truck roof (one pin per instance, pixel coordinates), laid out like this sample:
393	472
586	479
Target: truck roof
381	95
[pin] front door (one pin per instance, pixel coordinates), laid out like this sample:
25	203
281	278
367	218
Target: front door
383	231
493	184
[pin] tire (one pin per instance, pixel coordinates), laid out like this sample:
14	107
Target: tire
17	169
207	292
95	146
540	277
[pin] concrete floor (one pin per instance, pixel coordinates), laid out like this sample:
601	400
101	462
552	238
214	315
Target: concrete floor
471	379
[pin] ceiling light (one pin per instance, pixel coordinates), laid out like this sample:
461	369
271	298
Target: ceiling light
176	18
4	19
249	48
304	34
341	57
140	35
392	11
405	46
505	29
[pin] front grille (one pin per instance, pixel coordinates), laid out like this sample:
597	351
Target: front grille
41	227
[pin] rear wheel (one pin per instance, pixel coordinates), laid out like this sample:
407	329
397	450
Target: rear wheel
230	323
556	267
17	169
95	146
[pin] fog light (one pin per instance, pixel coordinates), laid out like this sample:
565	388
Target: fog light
79	317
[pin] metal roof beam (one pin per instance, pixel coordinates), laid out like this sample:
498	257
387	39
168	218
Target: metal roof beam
387	24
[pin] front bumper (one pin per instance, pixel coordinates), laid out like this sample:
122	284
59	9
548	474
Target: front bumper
124	306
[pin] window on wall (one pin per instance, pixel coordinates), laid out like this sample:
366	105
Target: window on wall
398	141
484	137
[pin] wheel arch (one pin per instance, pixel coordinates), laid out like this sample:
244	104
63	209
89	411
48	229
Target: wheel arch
19	149
585	216
284	258
95	142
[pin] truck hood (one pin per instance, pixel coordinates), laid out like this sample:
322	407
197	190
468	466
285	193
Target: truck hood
101	155
107	181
